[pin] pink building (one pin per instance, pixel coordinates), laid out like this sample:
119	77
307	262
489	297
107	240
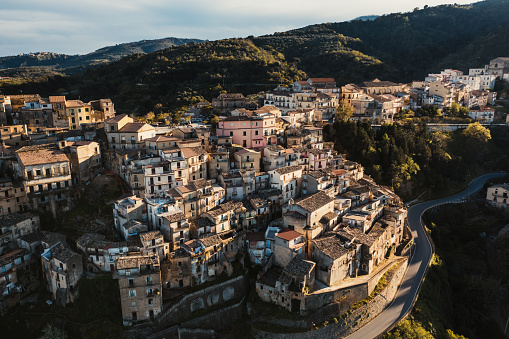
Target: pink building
249	131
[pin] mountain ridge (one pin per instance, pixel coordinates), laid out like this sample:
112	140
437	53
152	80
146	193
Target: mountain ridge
102	55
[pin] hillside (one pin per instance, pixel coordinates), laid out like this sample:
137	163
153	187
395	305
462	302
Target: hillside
176	76
399	47
422	41
101	56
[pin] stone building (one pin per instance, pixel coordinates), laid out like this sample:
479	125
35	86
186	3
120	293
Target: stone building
129	208
46	176
139	280
85	160
14	226
287	245
337	259
288	180
226	102
99	253
304	216
123	133
14	135
62	268
12	196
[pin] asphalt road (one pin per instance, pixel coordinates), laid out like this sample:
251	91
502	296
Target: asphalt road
409	287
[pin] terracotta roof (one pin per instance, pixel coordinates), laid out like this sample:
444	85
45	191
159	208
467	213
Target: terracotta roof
255	236
132	127
56	98
43	156
161	138
322	80
288	234
115	119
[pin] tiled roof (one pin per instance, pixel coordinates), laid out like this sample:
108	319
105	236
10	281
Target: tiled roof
314	202
147	236
175	217
224	208
288	169
200	183
136	261
255	236
288	234
42	156
12	255
299	266
62	252
211	240
115	119
202	222
322	80
189	152
331	246
378	83
13	219
132	127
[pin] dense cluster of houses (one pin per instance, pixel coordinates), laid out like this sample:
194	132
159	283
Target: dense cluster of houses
262	186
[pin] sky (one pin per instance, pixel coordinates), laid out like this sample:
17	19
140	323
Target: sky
82	26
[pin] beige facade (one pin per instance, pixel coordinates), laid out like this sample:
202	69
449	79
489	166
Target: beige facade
287	245
14	135
247	159
123	133
12	197
46	176
498	195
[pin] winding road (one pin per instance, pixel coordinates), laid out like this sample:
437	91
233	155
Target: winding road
407	293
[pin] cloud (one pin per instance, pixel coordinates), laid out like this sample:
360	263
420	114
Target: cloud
77	27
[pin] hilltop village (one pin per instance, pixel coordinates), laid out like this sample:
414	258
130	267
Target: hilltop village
261	189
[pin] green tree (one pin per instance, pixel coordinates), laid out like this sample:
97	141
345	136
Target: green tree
454	110
175	118
213	121
150	116
343	111
477	133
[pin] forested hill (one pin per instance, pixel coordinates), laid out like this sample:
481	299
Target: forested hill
100	56
398	47
416	43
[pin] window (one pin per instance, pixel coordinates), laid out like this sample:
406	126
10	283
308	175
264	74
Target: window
132	293
133	303
150	302
231	133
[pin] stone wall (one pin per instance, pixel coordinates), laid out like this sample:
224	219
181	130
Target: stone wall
354	320
207	298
